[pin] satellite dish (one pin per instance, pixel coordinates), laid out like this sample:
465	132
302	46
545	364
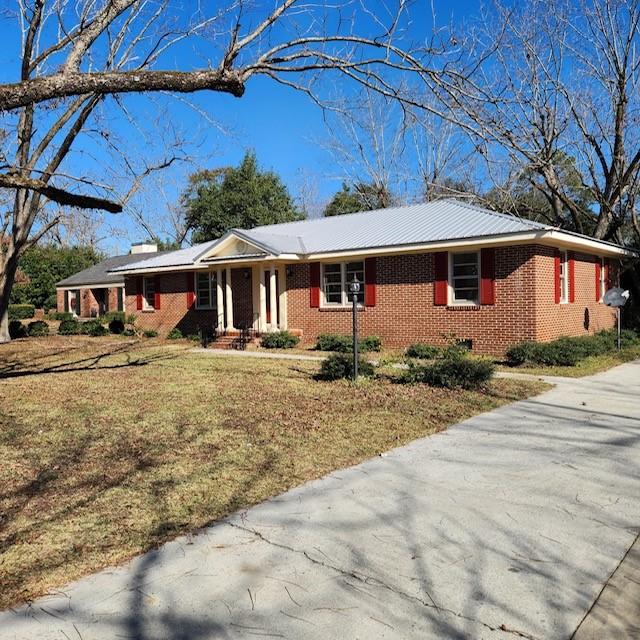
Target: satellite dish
616	297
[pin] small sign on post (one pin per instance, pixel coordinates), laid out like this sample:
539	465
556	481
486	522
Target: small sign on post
354	288
616	297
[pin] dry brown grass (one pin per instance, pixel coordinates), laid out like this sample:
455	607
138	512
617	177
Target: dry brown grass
110	447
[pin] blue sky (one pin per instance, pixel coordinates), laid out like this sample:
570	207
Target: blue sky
281	125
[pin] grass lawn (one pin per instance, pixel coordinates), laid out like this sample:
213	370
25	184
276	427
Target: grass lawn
110	447
586	367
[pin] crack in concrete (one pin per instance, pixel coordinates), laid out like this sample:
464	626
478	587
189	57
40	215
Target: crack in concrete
370	580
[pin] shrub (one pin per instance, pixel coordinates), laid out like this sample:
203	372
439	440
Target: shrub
568	351
334	342
129	332
370	343
69	327
279	340
60	315
339	366
344	344
452	373
422	350
194	337
116	326
150	333
17	329
175	334
21	311
113	315
37	328
94	328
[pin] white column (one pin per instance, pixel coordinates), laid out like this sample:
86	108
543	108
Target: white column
263	301
219	299
282	298
273	298
229	304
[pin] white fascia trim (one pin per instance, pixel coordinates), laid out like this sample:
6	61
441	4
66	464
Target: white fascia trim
544	236
204	266
75	287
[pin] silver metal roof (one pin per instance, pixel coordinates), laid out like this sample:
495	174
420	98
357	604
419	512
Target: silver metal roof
393	227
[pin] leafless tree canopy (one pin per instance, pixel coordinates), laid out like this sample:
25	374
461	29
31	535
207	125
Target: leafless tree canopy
79	59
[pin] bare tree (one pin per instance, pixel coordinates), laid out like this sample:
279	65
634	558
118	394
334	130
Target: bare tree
547	85
80	59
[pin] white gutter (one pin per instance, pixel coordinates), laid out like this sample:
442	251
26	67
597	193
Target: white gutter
90	286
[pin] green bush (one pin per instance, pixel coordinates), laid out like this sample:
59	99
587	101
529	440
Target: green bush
69	327
568	351
150	333
60	315
279	340
17	329
37	329
21	311
50	303
344	344
452	373
113	315
194	337
175	334
422	350
370	343
116	326
129	332
339	366
94	328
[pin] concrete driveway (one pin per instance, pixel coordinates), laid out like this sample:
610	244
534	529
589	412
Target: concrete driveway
508	525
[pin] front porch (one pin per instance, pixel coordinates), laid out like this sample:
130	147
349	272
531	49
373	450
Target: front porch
248	301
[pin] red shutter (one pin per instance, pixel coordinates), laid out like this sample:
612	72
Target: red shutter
598	279
488	276
139	293
572	277
156	297
314	285
556	276
441	284
191	294
370	282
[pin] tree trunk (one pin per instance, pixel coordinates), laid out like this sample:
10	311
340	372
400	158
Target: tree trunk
7	278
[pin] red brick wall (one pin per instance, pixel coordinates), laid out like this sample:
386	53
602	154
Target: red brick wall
405	313
581	317
88	303
173	310
524	308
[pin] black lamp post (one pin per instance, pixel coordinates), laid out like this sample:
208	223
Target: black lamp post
354	288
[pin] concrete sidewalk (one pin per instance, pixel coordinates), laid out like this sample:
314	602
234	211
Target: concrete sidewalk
508	525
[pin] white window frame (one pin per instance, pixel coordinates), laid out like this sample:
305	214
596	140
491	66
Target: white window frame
213	292
145	303
344	286
451	289
603	277
564	277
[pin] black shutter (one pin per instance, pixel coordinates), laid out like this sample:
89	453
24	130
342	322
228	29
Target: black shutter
77	300
120	299
66	301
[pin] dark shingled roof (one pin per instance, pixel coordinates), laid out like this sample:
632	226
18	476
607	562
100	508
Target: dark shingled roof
99	273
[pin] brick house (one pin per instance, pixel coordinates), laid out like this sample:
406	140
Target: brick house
95	291
429	272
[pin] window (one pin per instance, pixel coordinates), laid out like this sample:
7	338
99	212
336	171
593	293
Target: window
465	278
603	277
336	279
564	277
206	290
149	293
